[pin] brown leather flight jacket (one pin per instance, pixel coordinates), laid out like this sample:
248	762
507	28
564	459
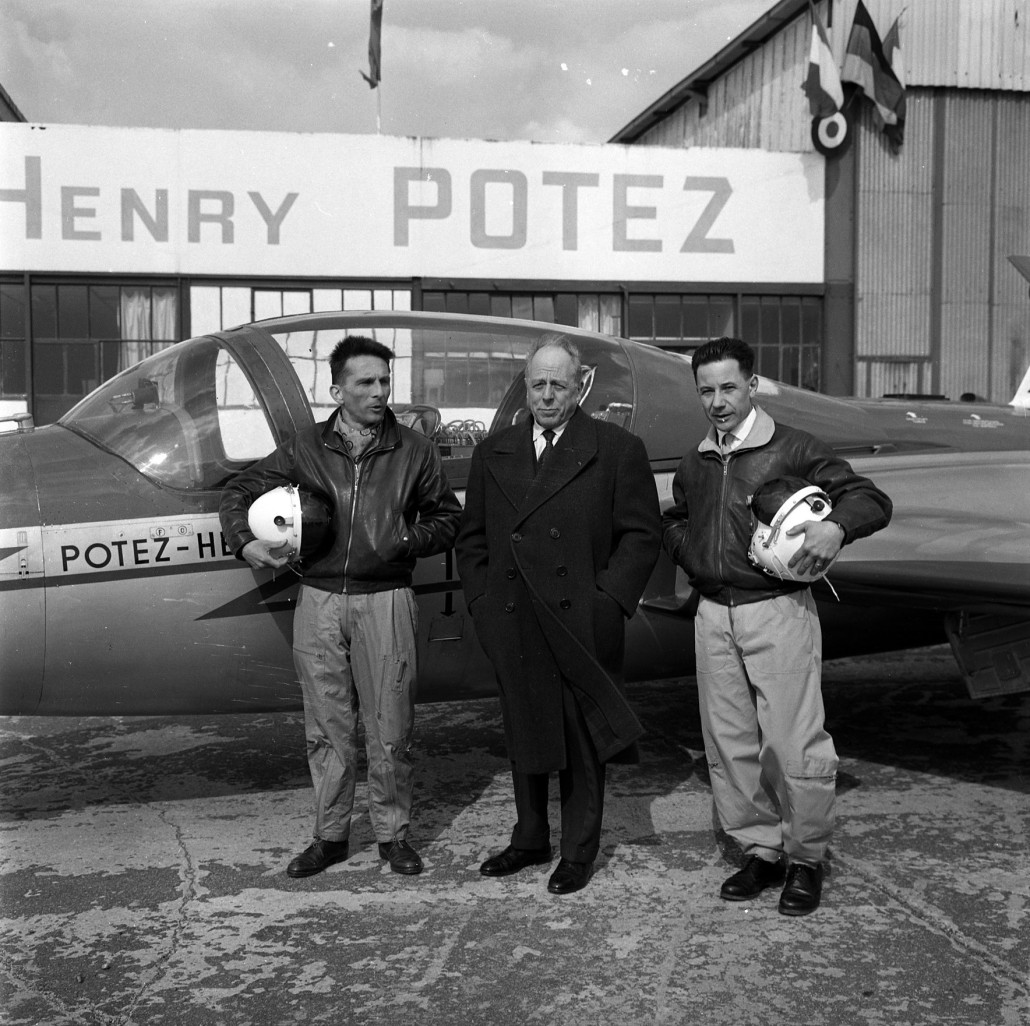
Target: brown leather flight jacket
390	506
707	530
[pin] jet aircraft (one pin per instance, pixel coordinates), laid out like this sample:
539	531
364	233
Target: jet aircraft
119	596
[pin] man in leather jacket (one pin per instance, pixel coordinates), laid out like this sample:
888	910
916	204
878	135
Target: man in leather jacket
757	638
354	629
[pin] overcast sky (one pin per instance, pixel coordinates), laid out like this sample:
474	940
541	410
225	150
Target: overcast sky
548	70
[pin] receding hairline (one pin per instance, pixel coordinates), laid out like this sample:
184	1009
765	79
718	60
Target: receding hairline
556	340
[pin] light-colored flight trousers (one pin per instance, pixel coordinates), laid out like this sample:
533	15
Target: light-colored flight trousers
772	764
358	652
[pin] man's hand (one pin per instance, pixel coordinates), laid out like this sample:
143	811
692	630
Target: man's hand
262	555
823	540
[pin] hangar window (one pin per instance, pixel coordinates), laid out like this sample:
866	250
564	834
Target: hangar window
786	333
13	341
674	321
594	311
83	333
217	307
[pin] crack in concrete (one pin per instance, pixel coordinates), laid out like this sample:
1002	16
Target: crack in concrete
188	895
934	921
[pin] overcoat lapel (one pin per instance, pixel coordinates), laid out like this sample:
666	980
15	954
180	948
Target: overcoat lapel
573	452
513	462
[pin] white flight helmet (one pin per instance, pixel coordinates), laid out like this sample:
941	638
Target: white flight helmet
292	515
776	507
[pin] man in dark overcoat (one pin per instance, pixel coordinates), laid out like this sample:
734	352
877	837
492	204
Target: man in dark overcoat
560	533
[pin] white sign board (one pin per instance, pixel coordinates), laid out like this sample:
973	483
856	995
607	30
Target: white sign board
154	201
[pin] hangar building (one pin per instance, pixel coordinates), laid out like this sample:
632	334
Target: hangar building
919	296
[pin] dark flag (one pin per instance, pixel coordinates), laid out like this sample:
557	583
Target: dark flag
375	37
892	51
866	64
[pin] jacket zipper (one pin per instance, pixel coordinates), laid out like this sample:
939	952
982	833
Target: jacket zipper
353	513
722	515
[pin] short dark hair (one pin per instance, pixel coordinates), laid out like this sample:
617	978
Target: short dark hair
725	348
355	345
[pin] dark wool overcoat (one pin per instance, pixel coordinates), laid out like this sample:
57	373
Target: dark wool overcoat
552	563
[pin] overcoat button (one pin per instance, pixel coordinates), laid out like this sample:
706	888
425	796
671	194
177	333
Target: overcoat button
565	604
509	607
563	571
510	573
555	533
516	537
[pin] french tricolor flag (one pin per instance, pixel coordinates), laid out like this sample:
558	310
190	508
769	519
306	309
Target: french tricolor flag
822	83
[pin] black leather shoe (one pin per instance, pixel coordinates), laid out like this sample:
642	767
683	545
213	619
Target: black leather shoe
750	881
511	860
802	890
570	877
401	856
316	857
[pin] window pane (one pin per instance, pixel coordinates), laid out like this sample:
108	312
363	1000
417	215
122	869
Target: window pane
12	367
695	317
81	360
103	311
48	369
667	317
500	306
811	321
267	304
522	306
790	320
44	311
749	320
357	299
770	329
810	369
565	306
110	357
479	303
206	309
768	361
791	365
165	315
12	311
433	301
457	302
72	311
543	308
641	323
720	316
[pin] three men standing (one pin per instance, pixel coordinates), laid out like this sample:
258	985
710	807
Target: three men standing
757	638
560	533
354	642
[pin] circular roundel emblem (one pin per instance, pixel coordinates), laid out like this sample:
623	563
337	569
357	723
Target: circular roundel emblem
832	135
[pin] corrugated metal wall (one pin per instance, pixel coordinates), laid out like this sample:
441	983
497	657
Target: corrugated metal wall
938	307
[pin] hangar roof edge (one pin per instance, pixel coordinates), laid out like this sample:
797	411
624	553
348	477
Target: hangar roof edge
754	36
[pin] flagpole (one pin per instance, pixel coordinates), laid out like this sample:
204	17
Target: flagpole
379	109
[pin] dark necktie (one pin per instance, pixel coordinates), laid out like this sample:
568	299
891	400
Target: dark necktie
545	452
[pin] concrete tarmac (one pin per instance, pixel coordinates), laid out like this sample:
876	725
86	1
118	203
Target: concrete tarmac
142	878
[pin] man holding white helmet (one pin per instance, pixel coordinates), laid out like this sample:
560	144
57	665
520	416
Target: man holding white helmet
757	636
354	642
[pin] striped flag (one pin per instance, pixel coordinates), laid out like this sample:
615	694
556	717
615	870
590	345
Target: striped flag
866	64
375	53
822	83
892	51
